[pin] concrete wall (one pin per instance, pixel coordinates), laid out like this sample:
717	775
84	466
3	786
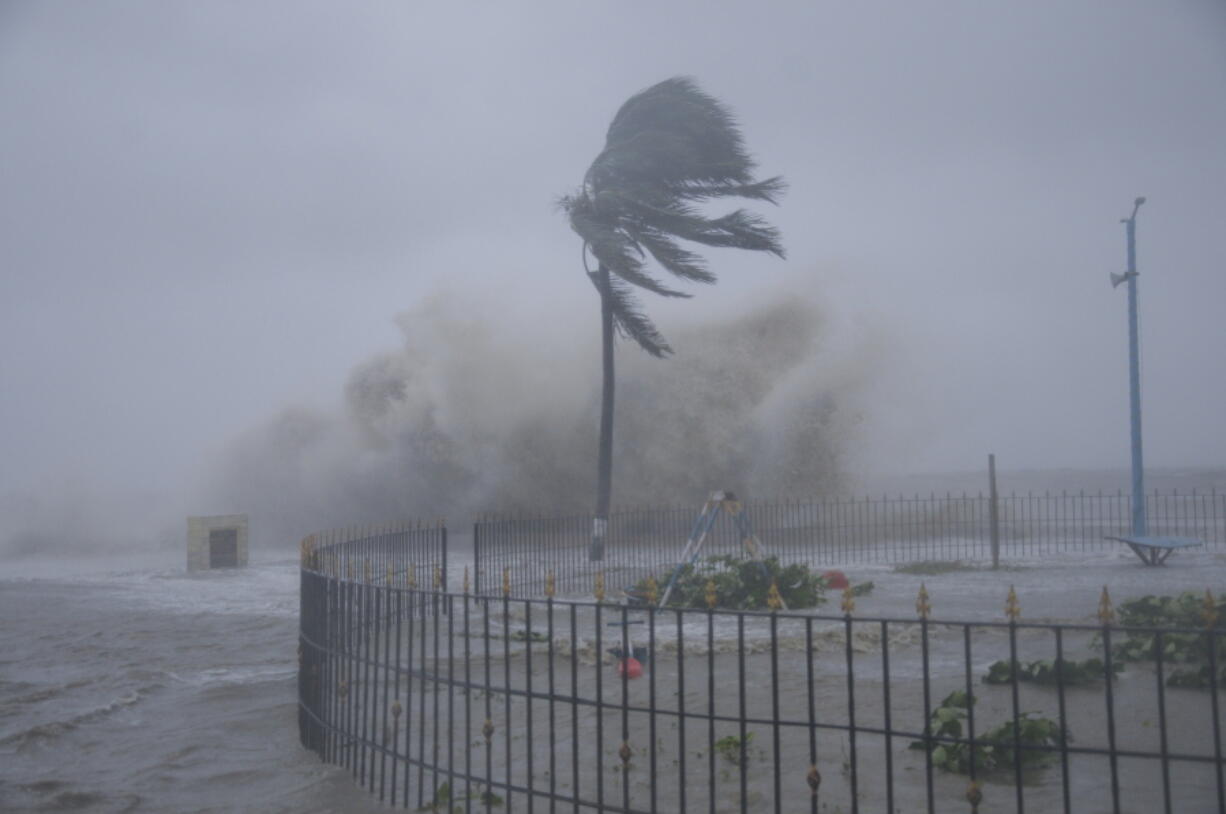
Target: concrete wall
198	529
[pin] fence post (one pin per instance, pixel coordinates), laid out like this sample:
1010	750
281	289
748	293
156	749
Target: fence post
477	558
993	511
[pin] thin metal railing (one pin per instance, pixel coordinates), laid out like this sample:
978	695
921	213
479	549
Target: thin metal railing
836	531
440	700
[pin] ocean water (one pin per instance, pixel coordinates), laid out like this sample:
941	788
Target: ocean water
148	689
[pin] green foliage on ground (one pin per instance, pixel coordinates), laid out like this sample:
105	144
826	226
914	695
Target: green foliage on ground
995	748
1184	610
730	747
443	800
741	583
1044	671
522	635
1190	646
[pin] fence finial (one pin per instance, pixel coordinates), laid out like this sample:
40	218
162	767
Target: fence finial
974	796
711	595
1106	613
1208	613
506	581
814	779
922	606
773	600
550	584
599	588
1013	610
849	601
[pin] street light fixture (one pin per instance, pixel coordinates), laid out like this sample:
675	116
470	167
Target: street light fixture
1153	550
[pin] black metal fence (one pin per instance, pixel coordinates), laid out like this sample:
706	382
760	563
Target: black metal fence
643	542
395	554
336	615
451	701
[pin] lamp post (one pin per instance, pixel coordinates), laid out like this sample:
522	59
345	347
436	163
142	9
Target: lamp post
1139	522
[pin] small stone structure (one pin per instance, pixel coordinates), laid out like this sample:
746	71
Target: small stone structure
216	542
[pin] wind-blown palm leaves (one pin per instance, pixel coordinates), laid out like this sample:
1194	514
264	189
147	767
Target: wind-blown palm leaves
670	149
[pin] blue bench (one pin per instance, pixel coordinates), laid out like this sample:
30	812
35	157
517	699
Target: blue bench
1155	550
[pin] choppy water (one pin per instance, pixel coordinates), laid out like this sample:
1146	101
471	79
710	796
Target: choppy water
150	689
153	690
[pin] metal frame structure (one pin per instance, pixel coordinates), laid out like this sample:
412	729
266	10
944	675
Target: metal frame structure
725	502
1155	550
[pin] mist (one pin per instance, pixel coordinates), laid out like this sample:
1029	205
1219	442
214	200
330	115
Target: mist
459	420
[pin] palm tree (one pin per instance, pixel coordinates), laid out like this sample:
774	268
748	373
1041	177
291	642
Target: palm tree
670	149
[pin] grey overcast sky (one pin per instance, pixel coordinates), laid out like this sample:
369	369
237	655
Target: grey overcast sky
212	210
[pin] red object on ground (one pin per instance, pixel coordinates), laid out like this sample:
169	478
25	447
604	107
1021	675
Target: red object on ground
835	579
630	668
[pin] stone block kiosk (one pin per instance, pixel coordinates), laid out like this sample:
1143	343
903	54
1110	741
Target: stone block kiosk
216	542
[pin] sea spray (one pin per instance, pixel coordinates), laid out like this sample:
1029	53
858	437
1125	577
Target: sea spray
459	420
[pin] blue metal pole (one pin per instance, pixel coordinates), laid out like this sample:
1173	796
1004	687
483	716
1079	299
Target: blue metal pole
1140	524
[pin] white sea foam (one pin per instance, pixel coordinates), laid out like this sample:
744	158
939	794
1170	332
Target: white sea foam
253	674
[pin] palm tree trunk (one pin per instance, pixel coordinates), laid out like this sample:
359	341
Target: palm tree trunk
604	467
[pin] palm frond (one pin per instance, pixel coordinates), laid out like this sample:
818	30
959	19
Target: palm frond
738	229
629	319
672	134
616	250
668	148
769	190
745	230
678	261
